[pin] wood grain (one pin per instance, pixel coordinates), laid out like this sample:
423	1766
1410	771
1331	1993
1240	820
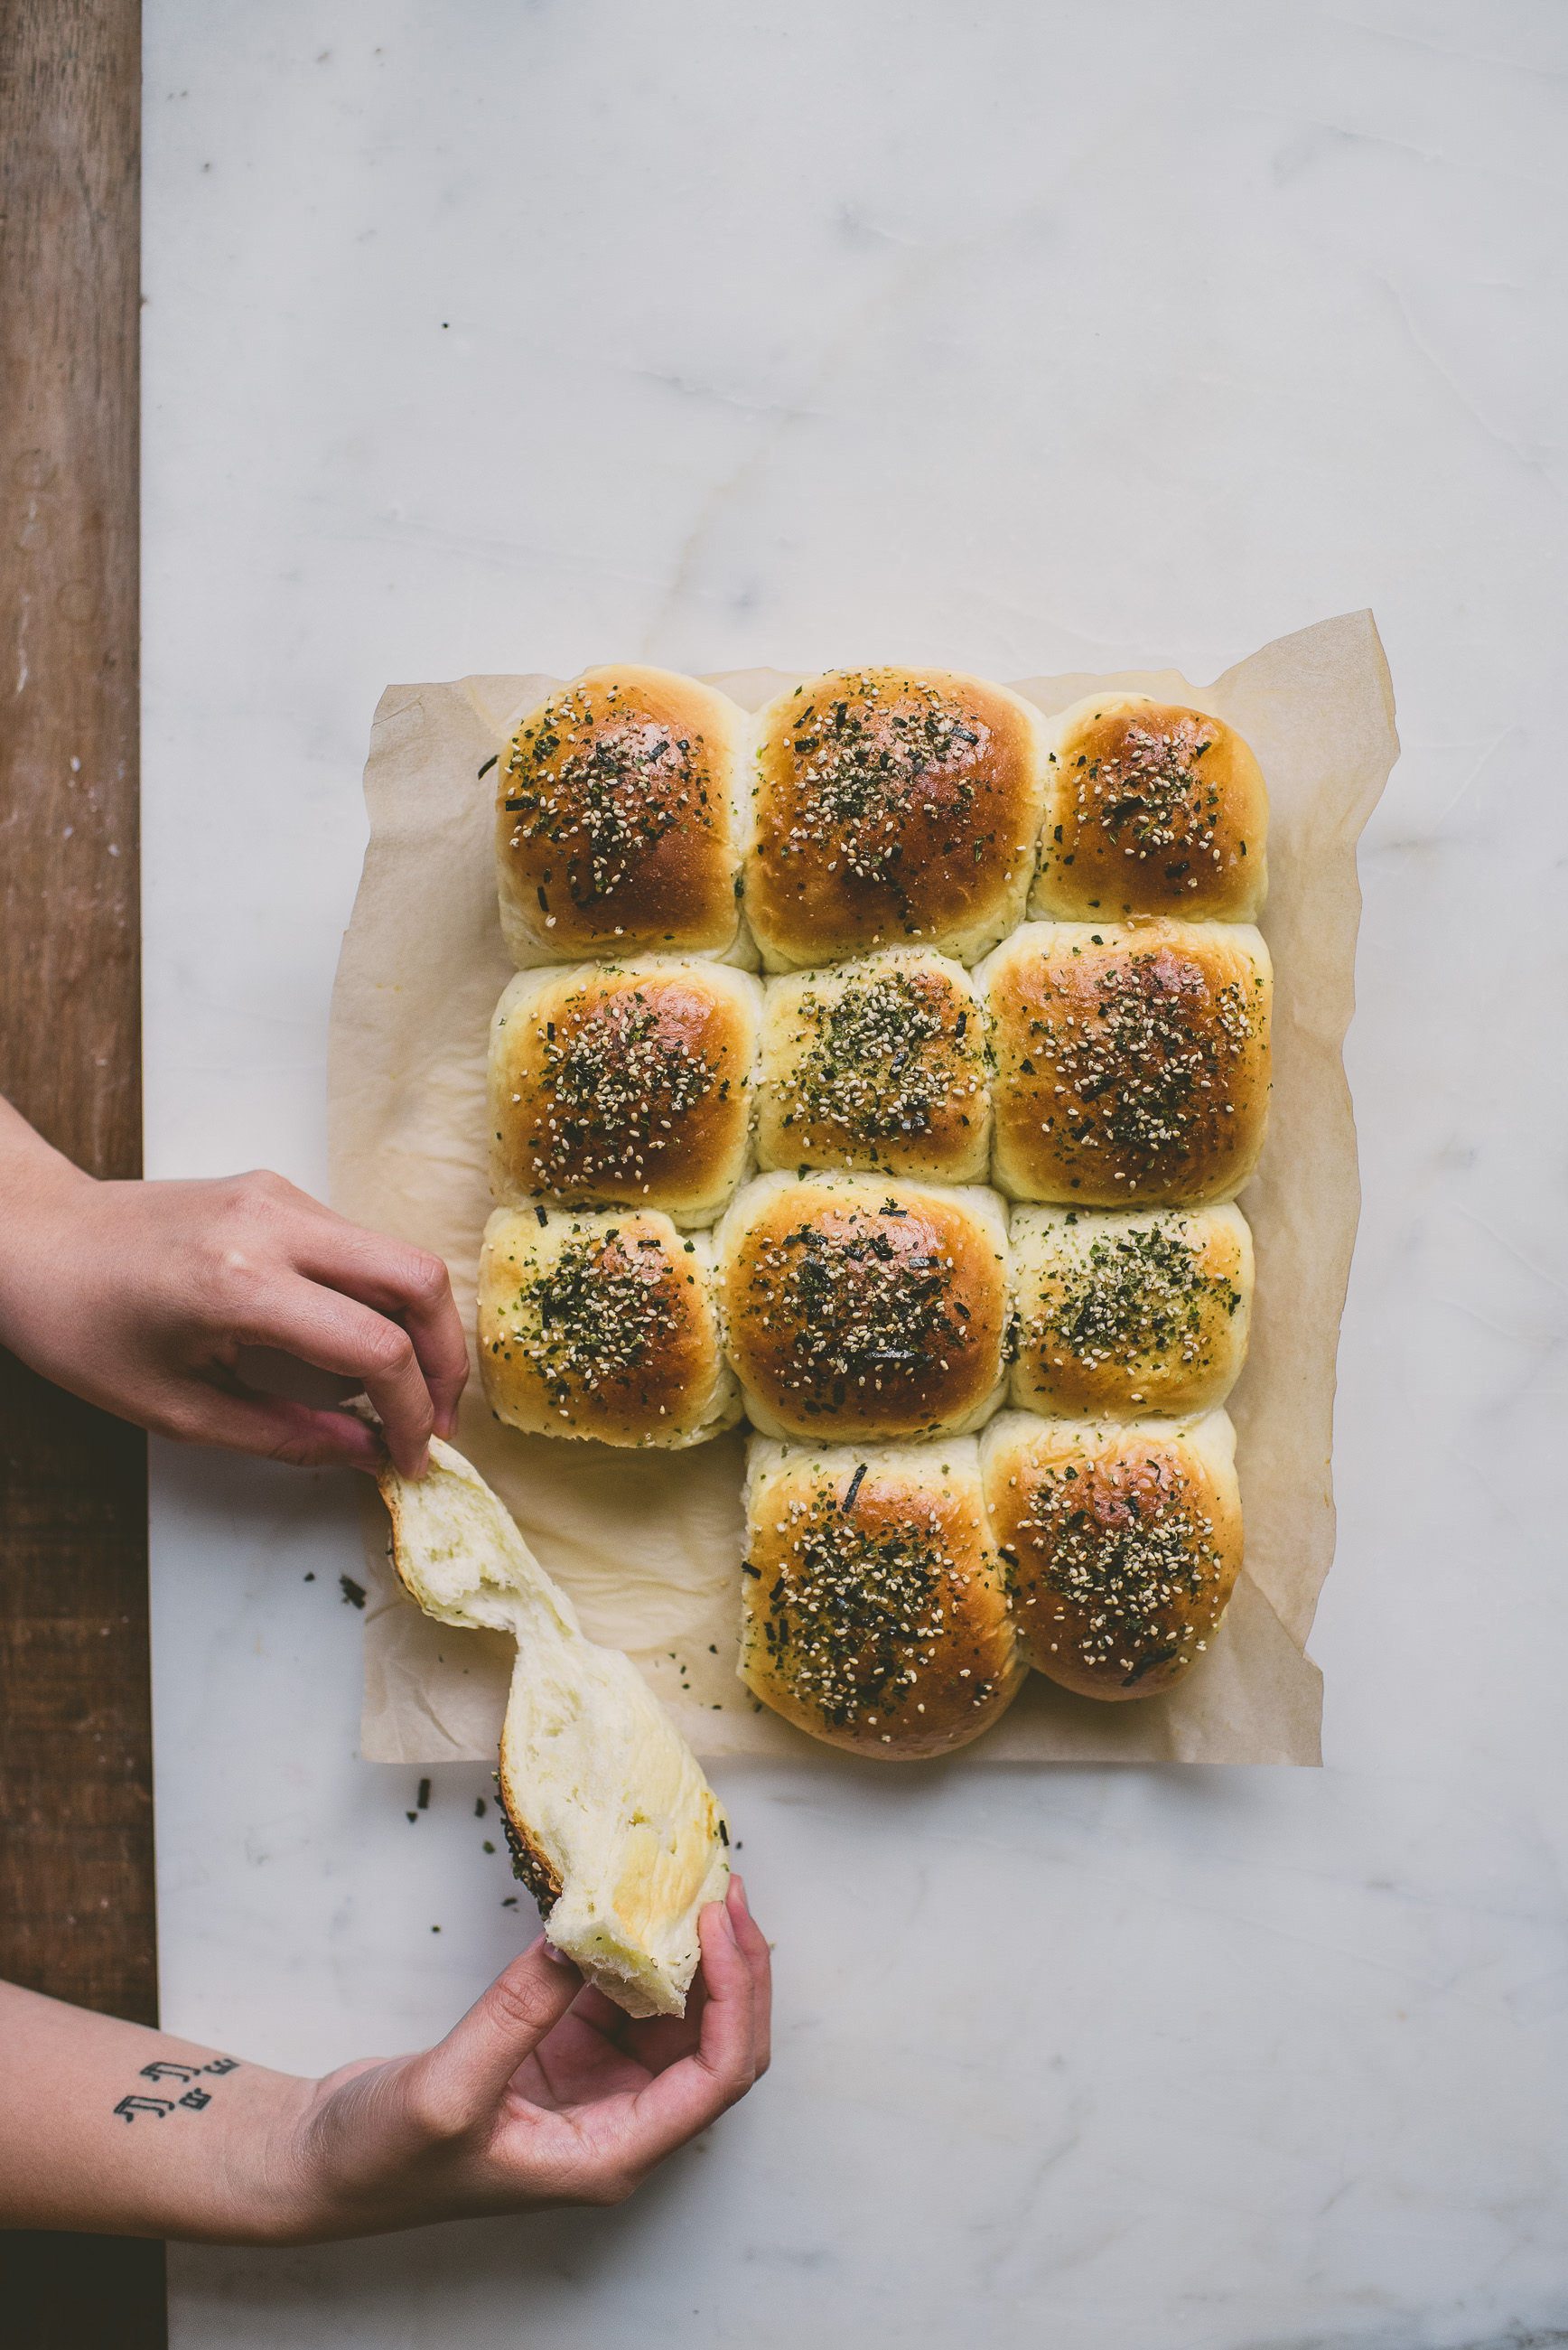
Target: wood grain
76	1795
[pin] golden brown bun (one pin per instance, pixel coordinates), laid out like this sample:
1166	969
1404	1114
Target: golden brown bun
624	1082
1121	1543
1132	1062
616	819
1153	809
874	1611
860	1307
1129	1317
601	1326
892	808
878	1064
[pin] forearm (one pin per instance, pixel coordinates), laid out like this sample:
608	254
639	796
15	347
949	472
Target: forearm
109	2128
36	1181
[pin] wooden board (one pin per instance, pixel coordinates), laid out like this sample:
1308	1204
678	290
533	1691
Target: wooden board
75	1766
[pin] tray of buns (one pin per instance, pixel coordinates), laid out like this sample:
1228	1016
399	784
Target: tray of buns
889	1129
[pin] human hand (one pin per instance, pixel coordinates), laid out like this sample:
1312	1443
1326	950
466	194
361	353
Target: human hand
544	2094
141	1297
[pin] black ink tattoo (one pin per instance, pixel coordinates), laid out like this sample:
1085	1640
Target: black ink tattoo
165	2068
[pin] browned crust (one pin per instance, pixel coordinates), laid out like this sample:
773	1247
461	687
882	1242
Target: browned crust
1133	1071
961	1652
1133	1382
661	1149
654	1399
820	886
784	1335
806	1118
1121	1556
1154	809
659	868
531	1864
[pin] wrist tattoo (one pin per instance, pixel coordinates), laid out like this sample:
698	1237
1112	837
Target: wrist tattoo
194	2100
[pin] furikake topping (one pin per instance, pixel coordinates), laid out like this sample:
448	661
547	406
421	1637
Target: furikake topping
1153	802
604	782
1126	1545
1131	1297
882	1054
1144	1051
596	1316
854	1618
850	1307
887	754
617	1072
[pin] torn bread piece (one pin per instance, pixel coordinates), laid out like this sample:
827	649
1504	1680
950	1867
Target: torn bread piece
613	1827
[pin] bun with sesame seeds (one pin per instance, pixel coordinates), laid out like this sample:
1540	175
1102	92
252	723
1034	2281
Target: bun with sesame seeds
618	823
1121	1542
625	1083
1152	810
858	1308
1132	1061
879	1064
892	808
874	1615
612	1826
602	1325
1132	1316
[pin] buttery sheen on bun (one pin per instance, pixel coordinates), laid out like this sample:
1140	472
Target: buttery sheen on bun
1132	1061
613	1827
892	808
1153	809
1131	1317
874	1613
876	1064
1121	1543
616	820
624	1082
601	1326
855	1307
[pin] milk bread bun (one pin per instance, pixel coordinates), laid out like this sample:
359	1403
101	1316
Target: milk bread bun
892	808
617	820
601	1326
1121	1544
879	1064
624	1082
1129	1317
1153	809
1132	1061
874	1615
855	1307
613	1828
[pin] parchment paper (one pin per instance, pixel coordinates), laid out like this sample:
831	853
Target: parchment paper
648	1544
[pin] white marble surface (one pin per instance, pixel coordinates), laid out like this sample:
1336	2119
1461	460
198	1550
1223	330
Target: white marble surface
1034	337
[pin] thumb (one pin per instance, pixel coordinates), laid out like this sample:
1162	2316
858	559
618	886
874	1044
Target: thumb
479	2056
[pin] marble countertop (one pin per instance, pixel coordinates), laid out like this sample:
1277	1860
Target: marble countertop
1029	339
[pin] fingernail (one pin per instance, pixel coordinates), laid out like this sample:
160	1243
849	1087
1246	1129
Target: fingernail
559	1957
737	1891
729	1922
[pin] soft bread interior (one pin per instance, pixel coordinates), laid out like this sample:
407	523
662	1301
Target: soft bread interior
617	1832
